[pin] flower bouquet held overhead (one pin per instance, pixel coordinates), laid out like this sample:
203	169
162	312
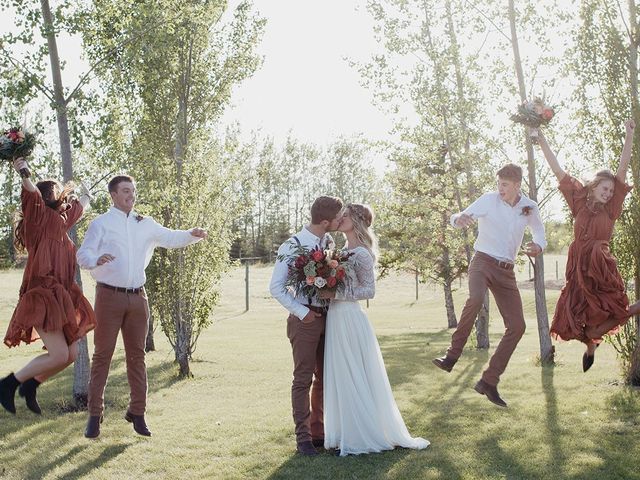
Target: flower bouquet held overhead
313	270
16	143
533	114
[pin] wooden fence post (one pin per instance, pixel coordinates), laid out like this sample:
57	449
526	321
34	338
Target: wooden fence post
246	287
246	261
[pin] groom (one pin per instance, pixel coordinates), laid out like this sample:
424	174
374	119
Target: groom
502	217
305	326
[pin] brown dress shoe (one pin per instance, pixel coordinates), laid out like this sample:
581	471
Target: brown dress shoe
307	448
491	392
445	363
139	425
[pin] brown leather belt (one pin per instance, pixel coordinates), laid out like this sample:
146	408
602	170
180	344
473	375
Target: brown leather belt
313	308
135	291
500	263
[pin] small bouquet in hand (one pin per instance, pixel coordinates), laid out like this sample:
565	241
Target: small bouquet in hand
313	270
15	143
533	114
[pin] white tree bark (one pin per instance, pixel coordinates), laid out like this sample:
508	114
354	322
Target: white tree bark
546	348
81	366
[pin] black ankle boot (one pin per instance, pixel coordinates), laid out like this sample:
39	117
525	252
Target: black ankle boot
8	386
139	425
93	426
27	391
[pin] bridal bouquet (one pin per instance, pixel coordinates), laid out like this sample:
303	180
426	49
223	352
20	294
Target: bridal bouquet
313	270
533	113
15	143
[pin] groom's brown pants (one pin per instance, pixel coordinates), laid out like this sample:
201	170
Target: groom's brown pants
307	343
486	272
115	312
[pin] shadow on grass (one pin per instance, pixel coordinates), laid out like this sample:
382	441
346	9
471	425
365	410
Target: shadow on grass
17	432
408	360
440	407
53	395
328	466
108	454
23	461
553	430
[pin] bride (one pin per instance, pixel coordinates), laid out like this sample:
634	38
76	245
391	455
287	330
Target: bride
360	413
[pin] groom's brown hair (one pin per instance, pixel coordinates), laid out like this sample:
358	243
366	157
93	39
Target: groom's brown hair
325	208
511	172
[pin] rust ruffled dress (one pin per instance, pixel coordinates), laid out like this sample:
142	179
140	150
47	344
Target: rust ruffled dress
50	299
593	301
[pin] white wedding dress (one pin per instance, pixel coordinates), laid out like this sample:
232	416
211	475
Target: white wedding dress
360	413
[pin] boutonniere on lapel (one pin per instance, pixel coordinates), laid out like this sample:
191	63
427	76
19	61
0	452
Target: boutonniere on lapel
526	210
139	218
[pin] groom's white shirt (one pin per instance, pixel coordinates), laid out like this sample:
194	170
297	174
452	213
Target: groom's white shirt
295	305
501	226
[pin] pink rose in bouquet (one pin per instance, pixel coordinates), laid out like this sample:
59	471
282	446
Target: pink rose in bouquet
15	143
533	114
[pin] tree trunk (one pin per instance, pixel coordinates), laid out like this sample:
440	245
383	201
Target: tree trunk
546	347
182	325
482	325
7	190
634	376
183	346
447	275
482	321
81	366
150	345
452	321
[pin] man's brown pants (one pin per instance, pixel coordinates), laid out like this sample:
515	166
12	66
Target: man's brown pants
307	343
117	311
485	272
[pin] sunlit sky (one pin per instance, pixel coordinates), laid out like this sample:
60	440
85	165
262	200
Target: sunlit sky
305	84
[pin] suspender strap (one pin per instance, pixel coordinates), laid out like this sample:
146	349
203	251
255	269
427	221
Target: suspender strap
309	299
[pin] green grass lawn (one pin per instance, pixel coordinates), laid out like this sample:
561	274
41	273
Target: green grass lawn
233	419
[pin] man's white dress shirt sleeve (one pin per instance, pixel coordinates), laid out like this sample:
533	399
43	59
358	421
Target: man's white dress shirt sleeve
166	238
88	254
476	210
277	285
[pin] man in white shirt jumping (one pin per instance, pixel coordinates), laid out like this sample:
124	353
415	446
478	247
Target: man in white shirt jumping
502	218
117	248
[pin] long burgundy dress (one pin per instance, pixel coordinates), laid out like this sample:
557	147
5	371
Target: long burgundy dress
50	299
593	301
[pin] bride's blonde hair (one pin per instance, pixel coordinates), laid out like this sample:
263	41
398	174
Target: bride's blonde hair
362	218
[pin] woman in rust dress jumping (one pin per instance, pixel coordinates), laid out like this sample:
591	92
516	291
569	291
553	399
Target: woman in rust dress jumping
593	301
51	305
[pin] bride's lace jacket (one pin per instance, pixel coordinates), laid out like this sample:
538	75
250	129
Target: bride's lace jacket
360	282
